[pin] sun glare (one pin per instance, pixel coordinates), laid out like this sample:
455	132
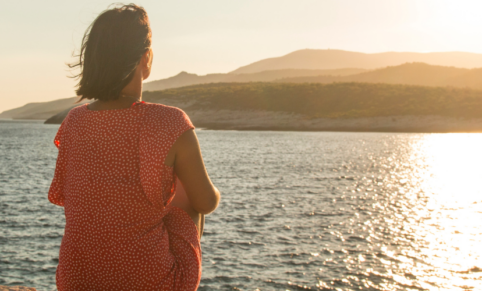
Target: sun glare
450	236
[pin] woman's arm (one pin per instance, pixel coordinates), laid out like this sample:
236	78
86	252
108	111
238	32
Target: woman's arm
185	156
182	201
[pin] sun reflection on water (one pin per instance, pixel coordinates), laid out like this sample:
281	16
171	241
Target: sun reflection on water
448	235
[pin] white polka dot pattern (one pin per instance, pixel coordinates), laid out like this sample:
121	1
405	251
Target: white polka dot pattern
121	232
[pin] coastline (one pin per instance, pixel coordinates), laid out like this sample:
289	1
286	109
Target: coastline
281	121
16	288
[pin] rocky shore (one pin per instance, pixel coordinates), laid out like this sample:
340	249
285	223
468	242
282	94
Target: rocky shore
271	120
16	288
268	120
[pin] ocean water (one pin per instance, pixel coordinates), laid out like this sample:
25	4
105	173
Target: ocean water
299	210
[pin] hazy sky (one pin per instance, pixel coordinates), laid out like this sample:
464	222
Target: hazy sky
217	36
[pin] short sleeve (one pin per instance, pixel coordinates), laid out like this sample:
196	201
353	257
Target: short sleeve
182	123
57	138
60	131
56	193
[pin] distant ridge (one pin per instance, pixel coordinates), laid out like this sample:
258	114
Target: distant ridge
335	59
41	110
407	74
180	80
186	79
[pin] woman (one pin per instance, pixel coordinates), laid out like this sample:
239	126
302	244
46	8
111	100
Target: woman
131	224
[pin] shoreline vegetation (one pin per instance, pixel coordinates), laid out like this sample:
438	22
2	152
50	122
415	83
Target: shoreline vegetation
324	107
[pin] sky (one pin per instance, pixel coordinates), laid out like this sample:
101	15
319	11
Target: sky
38	38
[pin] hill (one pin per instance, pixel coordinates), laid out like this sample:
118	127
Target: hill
182	79
471	79
337	106
40	110
346	100
44	110
335	59
186	79
409	74
315	66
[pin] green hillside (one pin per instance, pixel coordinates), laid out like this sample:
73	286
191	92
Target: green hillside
337	100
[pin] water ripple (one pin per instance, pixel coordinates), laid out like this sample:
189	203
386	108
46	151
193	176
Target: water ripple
300	211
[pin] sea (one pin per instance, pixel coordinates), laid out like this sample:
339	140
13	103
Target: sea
299	210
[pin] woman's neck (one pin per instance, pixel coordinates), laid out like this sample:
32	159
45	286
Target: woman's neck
131	93
134	88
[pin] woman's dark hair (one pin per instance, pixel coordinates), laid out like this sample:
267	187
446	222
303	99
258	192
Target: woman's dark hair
112	47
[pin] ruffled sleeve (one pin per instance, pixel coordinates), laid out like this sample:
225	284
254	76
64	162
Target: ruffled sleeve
162	126
56	195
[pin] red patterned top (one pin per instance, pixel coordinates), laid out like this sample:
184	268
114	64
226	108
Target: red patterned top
121	232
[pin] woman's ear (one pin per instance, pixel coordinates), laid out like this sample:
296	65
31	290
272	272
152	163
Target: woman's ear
146	63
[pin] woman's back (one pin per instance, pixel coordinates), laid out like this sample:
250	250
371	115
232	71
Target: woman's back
121	231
